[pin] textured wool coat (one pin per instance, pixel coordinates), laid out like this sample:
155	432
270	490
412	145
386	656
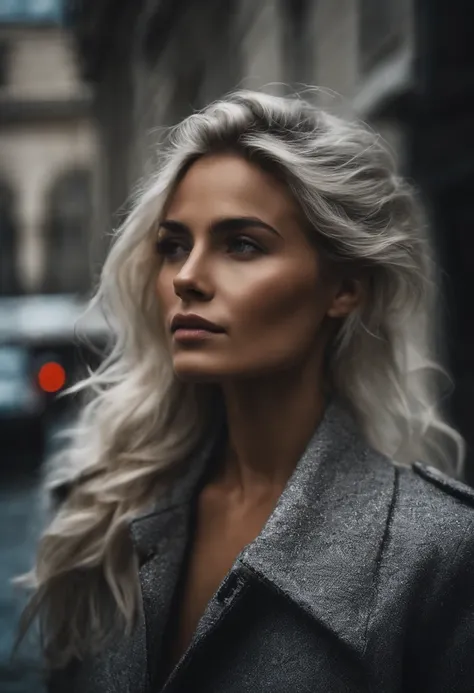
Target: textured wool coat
362	579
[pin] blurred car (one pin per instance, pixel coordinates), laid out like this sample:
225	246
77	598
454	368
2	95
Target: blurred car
21	407
46	345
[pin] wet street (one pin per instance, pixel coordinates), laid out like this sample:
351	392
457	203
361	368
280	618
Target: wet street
20	523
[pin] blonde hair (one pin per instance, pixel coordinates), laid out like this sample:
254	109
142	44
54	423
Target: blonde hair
140	422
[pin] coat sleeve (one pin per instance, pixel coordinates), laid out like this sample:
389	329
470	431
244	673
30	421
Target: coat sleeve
77	677
62	680
444	654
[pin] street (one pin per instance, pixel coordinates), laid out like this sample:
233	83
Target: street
20	522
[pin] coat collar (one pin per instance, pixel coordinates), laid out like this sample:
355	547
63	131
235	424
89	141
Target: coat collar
320	547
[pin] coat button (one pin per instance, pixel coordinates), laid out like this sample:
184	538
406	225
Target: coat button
229	587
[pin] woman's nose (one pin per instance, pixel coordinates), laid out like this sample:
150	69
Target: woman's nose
193	279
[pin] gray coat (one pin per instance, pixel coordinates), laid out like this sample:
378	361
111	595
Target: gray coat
362	579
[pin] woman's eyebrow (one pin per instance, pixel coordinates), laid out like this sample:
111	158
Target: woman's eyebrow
173	226
221	226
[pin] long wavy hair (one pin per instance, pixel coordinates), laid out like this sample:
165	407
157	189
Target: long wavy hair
140	422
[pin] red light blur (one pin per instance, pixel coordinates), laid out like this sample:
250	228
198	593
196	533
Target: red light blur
51	377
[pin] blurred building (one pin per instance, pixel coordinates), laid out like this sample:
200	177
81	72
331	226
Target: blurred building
47	154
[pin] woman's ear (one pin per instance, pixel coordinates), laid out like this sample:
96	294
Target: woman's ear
348	297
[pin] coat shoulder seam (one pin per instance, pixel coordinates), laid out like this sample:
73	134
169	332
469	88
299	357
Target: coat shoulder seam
451	486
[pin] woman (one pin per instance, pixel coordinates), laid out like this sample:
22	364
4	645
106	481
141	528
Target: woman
239	507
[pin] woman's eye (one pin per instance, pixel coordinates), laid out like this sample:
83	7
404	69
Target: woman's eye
243	246
174	249
169	248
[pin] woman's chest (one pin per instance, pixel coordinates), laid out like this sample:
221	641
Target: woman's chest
206	567
218	538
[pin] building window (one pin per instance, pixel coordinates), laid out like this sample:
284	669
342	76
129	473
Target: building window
382	29
67	233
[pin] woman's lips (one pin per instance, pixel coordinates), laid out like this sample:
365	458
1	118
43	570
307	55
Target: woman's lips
191	328
193	334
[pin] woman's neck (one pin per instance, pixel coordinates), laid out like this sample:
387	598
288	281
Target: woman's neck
270	422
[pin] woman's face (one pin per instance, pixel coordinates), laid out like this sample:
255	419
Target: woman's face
233	252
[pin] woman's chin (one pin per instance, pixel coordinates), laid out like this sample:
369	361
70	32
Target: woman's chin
189	372
196	377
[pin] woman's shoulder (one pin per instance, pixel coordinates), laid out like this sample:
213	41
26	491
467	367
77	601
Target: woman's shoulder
425	574
433	510
428	544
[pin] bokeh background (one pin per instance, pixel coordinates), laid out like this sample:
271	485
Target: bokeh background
87	89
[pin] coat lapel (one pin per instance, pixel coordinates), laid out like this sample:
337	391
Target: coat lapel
322	543
160	538
320	546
